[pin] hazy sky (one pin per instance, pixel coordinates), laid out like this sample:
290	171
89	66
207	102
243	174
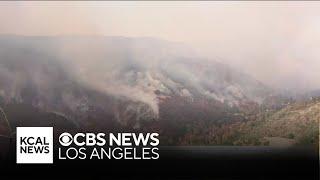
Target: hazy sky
276	42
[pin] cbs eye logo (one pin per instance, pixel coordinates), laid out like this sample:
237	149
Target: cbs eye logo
65	139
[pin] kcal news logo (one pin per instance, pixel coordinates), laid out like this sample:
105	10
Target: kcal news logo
34	145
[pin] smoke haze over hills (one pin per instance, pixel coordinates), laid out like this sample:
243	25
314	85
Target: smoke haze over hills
139	69
198	73
275	42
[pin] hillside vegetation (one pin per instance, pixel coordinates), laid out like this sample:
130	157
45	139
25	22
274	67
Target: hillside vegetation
298	123
295	124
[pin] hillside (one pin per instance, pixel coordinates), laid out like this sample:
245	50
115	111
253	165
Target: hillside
298	123
121	80
295	124
144	85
